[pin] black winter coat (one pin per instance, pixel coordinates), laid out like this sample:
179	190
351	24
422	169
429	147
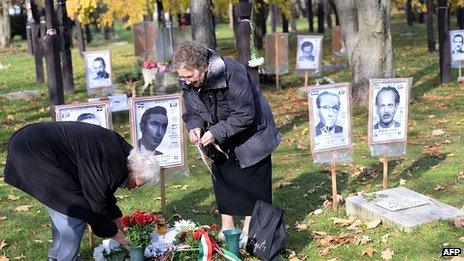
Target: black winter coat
231	106
71	167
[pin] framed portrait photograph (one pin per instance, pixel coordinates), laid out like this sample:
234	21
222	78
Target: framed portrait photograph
330	117
157	127
309	52
457	47
98	71
97	113
388	109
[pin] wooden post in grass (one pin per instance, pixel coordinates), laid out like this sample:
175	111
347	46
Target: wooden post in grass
443	39
306	78
334	183
385	172
163	192
277	68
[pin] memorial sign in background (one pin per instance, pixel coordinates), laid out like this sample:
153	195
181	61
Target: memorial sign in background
276	52
144	39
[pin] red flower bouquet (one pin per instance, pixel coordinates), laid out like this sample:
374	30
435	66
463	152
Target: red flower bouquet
139	225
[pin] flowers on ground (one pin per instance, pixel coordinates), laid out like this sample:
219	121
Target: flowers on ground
158	66
188	233
139	225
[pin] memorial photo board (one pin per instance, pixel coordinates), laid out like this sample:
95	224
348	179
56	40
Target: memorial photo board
97	113
309	52
98	71
330	117
388	110
457	47
157	127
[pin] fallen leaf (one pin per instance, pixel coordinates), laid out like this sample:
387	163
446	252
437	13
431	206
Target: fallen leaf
374	223
214	210
317	212
38	241
184	187
365	240
438	187
438	132
13	197
319	234
327	203
334	259
459	222
341	222
402	182
3	244
301	226
23	208
324	252
290	253
355	225
2	218
368	251
461	239
20	257
384	238
4	258
461	175
283	183
387	254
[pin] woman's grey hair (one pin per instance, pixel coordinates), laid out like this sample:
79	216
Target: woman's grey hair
190	55
144	166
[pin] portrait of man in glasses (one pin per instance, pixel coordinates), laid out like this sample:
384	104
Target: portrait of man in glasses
328	106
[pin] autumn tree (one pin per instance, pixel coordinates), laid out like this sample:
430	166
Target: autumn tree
202	23
366	31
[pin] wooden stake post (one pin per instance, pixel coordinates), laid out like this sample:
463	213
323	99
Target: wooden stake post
277	68
306	78
334	182
384	160
163	192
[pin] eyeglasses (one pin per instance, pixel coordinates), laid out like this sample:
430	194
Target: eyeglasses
335	108
185	78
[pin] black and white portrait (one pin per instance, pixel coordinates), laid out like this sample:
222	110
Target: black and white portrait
330	116
156	127
457	47
98	69
309	52
96	113
389	99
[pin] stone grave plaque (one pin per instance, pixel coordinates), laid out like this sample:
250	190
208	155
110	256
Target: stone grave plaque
395	204
401	206
276	53
144	39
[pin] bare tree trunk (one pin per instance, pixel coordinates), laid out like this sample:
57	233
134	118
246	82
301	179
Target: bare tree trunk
310	15
460	17
80	38
366	32
328	13
320	17
66	43
5	29
88	34
295	15
260	23
284	24
202	23
443	40
409	15
430	34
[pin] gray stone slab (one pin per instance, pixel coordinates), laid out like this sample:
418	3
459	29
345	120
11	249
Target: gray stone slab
21	95
401	206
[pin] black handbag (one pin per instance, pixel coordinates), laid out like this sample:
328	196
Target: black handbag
267	238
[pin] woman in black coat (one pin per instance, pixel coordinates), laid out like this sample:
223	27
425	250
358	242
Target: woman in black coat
74	168
224	107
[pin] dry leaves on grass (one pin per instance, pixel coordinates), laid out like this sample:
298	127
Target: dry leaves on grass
387	254
355	225
402	182
316	212
13	197
214	210
4	258
384	238
374	223
20	257
325	251
341	222
461	175
461	239
3	244
283	183
23	208
2	218
438	187
368	252
301	226
459	222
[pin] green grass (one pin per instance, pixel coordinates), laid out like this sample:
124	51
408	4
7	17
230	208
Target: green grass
433	106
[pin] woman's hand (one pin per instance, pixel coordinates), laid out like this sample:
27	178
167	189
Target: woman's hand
121	239
207	138
117	222
195	135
